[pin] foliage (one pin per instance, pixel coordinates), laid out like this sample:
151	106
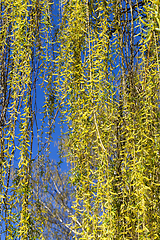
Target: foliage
24	64
108	80
100	70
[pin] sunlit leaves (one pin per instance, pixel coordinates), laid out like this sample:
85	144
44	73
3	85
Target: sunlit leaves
24	26
108	73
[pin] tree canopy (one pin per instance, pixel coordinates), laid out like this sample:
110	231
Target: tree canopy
98	67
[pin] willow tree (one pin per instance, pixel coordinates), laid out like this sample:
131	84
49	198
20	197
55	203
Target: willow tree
107	84
25	62
106	87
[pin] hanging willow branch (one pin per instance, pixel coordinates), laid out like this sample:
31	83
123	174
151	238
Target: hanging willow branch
108	74
24	51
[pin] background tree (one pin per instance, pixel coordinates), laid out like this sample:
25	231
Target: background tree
54	197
